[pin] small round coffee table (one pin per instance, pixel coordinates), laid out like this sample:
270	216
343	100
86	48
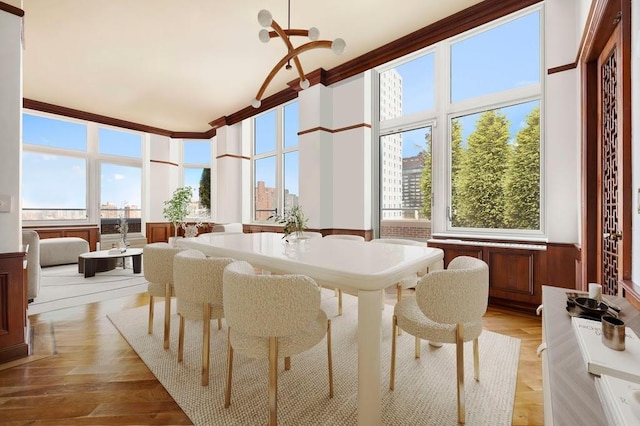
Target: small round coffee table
91	259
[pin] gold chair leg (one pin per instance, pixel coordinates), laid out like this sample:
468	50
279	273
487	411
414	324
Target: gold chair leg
227	393
417	350
476	360
206	328
273	381
460	370
330	359
339	302
167	314
399	288
219	323
392	370
335	292
287	363
150	328
181	339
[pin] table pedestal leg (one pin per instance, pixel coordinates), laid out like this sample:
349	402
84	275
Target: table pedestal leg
90	265
369	367
137	263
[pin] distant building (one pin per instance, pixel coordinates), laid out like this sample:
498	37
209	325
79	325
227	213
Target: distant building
412	196
391	149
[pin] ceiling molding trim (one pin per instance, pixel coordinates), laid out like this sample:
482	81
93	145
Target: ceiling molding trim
271	102
11	9
218	122
88	116
193	135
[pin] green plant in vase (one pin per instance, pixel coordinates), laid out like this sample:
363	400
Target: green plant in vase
176	209
294	222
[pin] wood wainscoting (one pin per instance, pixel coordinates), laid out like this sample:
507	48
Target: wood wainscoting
90	233
517	271
13	307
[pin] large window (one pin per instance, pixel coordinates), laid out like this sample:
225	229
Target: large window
196	162
478	172
275	161
64	159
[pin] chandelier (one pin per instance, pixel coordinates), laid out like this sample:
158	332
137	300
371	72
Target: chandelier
266	20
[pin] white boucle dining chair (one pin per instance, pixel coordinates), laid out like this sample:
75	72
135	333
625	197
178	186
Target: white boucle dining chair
197	283
343	237
272	316
157	263
448	308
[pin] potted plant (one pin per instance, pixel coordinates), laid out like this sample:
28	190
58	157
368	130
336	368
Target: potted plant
294	222
177	208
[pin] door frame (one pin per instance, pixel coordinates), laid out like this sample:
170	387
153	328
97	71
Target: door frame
603	18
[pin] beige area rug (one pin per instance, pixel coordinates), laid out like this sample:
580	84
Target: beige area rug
63	287
425	391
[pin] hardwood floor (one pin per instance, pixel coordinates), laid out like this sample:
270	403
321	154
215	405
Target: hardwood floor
83	372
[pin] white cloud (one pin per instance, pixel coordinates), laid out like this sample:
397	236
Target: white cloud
118	176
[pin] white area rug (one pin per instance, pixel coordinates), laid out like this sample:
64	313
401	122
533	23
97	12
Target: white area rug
425	391
63	287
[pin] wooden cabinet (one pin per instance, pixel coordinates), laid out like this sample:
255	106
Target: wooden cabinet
517	271
13	307
90	233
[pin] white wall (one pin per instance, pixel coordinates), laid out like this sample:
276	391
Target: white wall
10	130
352	150
163	176
229	181
562	124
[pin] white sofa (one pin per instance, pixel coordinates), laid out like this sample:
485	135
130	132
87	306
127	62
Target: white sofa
31	239
61	250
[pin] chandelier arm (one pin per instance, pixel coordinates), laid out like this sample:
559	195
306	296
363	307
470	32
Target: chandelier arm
292	54
285	39
302	33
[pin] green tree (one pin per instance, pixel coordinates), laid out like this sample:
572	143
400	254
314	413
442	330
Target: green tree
479	182
457	155
204	191
425	178
522	179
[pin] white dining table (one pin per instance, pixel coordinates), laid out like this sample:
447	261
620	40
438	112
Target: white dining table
361	267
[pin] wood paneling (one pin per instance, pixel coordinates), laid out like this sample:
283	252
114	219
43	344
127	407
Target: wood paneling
516	274
13	307
89	233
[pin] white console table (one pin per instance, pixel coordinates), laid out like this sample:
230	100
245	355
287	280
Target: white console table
570	396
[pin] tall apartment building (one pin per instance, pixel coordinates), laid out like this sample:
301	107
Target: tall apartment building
412	196
391	149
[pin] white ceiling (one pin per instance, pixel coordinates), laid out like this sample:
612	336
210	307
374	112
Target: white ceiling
177	65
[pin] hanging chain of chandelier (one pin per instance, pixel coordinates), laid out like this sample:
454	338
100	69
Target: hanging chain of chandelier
266	20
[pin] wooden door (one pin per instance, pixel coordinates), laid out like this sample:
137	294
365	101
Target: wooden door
610	165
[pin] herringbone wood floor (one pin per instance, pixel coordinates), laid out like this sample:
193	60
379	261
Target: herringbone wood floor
84	373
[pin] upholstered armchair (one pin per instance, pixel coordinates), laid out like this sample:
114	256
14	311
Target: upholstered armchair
448	308
32	240
271	317
197	282
157	264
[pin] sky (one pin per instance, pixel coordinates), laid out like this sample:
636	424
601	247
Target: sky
511	61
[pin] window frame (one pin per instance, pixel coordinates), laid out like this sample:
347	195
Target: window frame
279	154
440	118
94	160
185	165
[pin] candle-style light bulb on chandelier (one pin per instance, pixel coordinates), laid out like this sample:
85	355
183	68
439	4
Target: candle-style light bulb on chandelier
266	20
